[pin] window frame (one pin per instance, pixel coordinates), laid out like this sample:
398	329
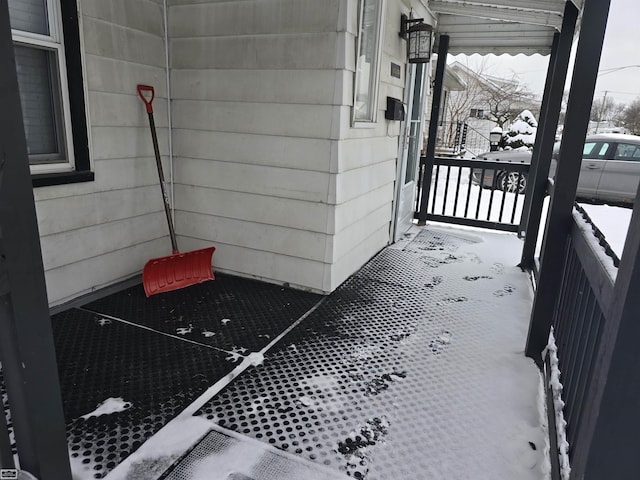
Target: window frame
68	91
373	95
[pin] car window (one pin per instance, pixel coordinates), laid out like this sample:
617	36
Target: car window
587	148
597	150
625	151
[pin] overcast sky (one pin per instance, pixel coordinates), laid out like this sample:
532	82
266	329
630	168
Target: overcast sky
621	48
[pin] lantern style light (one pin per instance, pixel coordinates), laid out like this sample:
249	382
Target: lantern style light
418	35
494	139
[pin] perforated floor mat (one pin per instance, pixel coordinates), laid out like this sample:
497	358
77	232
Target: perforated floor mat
231	313
223	455
146	377
393	375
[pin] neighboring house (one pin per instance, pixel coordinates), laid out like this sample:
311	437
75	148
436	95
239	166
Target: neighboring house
605	126
446	129
486	101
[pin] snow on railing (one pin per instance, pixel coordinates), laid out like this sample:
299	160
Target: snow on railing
556	390
583	220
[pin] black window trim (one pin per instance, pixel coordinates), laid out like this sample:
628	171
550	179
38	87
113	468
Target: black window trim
75	81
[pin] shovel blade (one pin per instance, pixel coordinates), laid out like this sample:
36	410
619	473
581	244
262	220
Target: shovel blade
179	270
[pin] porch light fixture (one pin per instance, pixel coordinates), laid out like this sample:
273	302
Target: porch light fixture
494	139
418	35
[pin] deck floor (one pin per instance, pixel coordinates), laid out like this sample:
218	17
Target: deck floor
412	369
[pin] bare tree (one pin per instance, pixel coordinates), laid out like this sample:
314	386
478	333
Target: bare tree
604	109
501	99
631	117
459	104
507	100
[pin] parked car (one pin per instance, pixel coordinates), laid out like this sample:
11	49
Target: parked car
610	169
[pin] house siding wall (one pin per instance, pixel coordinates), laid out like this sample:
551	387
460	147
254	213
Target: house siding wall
368	157
269	168
97	233
267	165
257	94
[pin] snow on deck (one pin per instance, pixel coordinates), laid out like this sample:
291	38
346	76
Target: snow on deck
414	368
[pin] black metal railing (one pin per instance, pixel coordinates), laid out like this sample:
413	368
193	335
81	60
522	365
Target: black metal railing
458	138
580	318
477	193
476	142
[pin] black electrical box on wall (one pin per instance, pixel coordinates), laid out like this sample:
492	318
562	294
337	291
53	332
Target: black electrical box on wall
395	109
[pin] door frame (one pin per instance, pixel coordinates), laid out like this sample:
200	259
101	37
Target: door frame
412	78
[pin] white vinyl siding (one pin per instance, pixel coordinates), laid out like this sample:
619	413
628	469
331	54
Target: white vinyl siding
94	234
255	118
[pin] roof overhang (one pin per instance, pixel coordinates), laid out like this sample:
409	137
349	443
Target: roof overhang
499	26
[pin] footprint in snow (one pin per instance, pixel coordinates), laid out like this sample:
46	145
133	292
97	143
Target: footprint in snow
474	258
506	290
497	268
469	278
441	342
435	281
448	300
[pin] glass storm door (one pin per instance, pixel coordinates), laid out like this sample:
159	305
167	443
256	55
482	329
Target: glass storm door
411	143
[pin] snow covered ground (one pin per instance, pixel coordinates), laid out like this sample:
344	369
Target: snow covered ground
470	201
612	221
467	394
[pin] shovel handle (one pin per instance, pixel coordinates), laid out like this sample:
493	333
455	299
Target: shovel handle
142	89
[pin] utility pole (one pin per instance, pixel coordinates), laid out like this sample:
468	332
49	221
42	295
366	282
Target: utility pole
602	106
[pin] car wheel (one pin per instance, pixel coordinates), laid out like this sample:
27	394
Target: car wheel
512	182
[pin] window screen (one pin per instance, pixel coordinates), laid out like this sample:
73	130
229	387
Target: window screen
35	69
29	16
367	62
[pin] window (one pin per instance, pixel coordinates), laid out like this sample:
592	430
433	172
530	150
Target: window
586	150
477	113
51	89
367	62
595	150
626	151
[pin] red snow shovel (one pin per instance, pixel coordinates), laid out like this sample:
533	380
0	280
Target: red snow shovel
179	270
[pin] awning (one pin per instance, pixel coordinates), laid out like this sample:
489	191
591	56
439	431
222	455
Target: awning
499	26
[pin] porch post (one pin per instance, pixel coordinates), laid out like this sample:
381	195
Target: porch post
606	444
543	131
543	147
443	50
594	21
26	343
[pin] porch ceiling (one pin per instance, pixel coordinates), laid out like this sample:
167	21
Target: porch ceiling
499	26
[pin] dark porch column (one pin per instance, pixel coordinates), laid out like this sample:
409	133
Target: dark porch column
609	434
443	49
594	21
26	341
543	147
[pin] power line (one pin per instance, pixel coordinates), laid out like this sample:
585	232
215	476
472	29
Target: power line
637	94
607	71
